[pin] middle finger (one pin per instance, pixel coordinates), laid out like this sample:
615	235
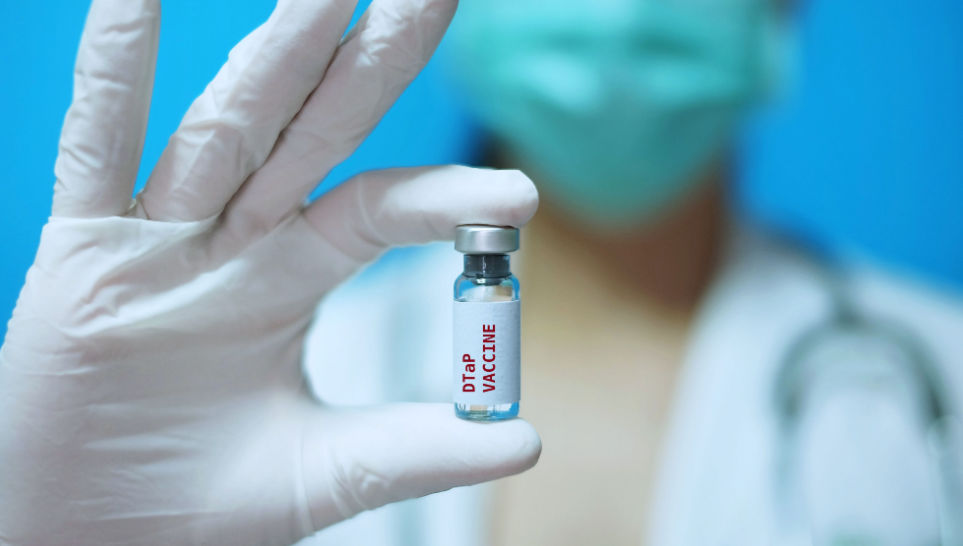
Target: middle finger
386	50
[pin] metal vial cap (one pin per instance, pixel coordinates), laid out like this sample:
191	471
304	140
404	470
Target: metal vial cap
483	239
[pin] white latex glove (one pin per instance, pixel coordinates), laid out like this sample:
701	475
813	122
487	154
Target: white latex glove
151	388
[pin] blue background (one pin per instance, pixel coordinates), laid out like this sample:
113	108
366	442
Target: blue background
866	155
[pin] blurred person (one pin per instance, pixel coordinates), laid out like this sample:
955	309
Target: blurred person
795	395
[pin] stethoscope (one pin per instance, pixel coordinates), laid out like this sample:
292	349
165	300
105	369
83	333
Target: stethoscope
813	360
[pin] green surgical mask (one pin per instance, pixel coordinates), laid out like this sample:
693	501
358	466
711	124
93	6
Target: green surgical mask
617	106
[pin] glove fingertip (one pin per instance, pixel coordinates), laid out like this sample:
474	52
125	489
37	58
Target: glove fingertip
527	451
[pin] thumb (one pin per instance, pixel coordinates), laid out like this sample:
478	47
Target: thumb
404	206
358	460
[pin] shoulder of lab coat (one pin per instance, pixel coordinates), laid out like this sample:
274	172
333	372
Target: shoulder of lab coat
716	481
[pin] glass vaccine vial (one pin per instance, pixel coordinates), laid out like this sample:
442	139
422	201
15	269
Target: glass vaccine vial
487	349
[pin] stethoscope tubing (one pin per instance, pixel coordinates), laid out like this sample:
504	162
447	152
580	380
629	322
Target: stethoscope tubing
789	395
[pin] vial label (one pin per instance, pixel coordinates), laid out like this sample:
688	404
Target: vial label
487	352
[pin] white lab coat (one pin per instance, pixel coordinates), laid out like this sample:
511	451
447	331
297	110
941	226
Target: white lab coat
385	336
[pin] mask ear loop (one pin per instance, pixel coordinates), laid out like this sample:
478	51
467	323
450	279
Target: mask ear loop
793	380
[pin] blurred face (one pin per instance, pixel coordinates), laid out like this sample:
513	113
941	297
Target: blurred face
616	106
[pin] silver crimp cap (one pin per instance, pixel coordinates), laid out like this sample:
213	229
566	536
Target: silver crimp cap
483	239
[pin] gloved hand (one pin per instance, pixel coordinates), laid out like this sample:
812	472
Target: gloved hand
151	388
